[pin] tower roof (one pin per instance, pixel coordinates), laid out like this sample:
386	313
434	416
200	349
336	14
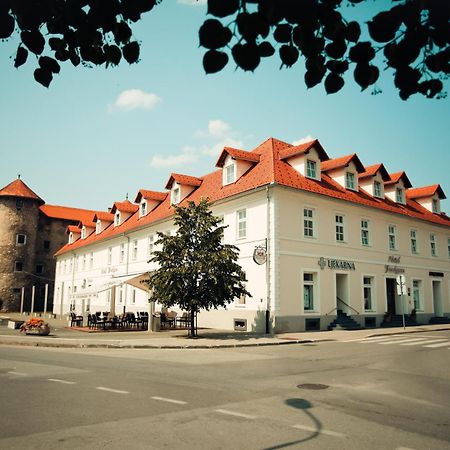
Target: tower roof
18	188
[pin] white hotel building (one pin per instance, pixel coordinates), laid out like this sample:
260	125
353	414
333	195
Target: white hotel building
335	235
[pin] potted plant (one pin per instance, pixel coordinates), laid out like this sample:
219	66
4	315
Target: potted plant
35	326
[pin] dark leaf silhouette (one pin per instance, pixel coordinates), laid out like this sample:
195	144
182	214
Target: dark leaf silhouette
33	40
220	8
7	25
214	35
214	61
131	52
246	56
21	57
265	49
333	83
49	64
43	76
288	55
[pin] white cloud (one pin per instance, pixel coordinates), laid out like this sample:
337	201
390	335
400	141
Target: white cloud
135	99
304	140
192	2
188	155
216	128
215	149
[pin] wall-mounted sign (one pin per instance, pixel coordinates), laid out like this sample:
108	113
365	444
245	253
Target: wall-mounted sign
336	264
436	274
260	255
388	268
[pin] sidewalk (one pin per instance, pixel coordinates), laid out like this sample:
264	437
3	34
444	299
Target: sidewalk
62	335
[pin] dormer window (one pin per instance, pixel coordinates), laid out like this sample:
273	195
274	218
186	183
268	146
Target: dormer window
98	227
70	238
399	196
311	169
83	233
143	210
435	205
175	196
230	173
350	180
117	219
377	189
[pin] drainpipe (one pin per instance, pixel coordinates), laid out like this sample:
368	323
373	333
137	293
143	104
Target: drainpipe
268	293
125	296
73	277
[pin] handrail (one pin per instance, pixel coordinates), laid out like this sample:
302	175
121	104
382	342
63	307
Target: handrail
331	311
351	307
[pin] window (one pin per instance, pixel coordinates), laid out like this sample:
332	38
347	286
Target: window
399	198
21	239
134	255
120	292
143	210
433	245
98	226
448	247
70	265
311	169
83	233
308	222
350	180
83	267
242	300
70	238
413	239
241	224
377	189
133	296
122	253
151	245
117	218
392	236
46	245
368	294
417	297
39	269
339	222
435	205
109	256
176	196
19	203
221	223
18	266
365	238
230	173
77	263
91	260
308	291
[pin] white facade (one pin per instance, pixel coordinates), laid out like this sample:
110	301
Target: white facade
323	254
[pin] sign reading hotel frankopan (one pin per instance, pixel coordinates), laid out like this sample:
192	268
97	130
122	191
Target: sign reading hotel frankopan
389	268
336	264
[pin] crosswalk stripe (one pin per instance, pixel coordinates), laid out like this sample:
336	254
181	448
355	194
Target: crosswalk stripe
441	344
57	380
115	391
320	431
235	413
397	341
170	400
424	341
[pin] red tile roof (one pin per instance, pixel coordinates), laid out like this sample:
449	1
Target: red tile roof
343	161
67	213
73	229
304	148
18	188
270	170
371	171
125	206
396	177
426	191
183	179
236	154
104	216
150	195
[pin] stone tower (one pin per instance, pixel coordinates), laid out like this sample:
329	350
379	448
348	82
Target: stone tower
19	219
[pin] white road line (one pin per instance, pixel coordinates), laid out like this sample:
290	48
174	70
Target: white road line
371	339
441	344
401	340
18	373
424	341
234	413
56	380
170	400
404	448
314	430
115	391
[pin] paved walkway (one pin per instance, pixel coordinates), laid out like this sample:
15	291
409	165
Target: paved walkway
62	335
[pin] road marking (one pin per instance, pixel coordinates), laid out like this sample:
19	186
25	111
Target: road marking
234	413
397	341
404	448
424	341
314	430
115	391
56	380
370	339
441	344
170	400
18	373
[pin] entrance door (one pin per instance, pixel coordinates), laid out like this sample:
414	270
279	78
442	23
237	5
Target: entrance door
390	295
342	299
437	298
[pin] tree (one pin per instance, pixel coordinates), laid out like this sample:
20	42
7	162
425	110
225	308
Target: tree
196	270
413	37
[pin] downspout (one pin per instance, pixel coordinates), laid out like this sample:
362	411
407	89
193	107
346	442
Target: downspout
73	278
126	272
268	293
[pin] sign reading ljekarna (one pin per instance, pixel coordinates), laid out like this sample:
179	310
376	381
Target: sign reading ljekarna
336	264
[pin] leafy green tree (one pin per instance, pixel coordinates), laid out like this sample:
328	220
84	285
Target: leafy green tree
411	38
196	270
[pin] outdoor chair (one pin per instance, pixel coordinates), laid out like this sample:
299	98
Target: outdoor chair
76	320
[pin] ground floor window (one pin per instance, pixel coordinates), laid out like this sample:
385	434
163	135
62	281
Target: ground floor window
308	291
368	293
417	296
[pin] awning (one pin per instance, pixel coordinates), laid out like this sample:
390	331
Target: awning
137	280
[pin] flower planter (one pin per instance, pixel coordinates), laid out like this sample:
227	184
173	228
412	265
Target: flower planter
38	331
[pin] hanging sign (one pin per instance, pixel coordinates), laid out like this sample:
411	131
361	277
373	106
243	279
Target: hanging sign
260	255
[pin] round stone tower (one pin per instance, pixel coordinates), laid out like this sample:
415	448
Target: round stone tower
19	217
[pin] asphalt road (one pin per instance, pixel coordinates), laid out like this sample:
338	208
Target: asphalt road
382	393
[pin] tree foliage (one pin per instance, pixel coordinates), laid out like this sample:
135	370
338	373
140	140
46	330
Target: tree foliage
412	38
196	270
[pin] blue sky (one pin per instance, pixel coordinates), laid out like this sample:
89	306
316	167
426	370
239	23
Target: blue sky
97	134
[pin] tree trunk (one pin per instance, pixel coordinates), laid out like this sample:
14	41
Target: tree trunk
193	332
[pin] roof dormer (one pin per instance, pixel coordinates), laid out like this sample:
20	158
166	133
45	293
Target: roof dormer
344	170
306	158
86	228
428	196
235	163
181	186
372	180
102	220
74	233
395	187
122	211
149	200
